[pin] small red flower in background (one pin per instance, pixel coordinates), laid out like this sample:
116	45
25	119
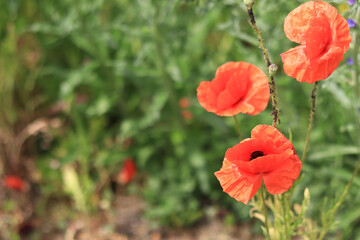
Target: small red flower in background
324	37
267	156
238	87
186	114
127	172
14	182
184	102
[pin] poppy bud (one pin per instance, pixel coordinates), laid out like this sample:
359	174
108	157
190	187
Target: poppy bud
272	69
249	3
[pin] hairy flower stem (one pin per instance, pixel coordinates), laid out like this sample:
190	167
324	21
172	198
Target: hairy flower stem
237	127
265	210
311	118
271	68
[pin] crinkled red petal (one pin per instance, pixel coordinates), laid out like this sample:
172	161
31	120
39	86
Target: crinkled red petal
325	36
281	179
238	87
241	187
266	133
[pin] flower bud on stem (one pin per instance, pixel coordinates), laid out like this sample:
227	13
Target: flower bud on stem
249	3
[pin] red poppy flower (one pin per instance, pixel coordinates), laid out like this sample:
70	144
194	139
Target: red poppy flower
267	156
127	172
238	87
324	37
15	183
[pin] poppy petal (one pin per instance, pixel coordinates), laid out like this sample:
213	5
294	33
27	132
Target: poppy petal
238	87
226	100
267	155
240	187
241	152
266	163
281	179
206	96
318	37
294	62
297	22
266	133
324	35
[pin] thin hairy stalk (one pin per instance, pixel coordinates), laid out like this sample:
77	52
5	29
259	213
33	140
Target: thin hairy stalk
311	118
271	68
237	127
265	210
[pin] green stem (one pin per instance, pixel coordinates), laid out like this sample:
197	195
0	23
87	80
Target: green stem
285	215
265	210
356	72
311	118
271	68
356	80
237	127
340	201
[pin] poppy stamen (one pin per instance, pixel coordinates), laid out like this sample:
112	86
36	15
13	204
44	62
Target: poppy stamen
256	154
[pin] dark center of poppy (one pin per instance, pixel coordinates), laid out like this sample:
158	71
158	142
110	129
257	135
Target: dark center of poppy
256	154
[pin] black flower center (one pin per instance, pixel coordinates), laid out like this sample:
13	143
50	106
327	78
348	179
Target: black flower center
256	154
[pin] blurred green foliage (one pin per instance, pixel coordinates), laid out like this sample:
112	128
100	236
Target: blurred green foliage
113	73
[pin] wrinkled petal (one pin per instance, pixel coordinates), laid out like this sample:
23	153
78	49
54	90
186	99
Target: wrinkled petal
294	62
299	20
240	187
318	36
267	156
281	179
238	87
259	92
298	66
266	133
325	37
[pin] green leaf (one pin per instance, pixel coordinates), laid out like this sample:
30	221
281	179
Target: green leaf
330	151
